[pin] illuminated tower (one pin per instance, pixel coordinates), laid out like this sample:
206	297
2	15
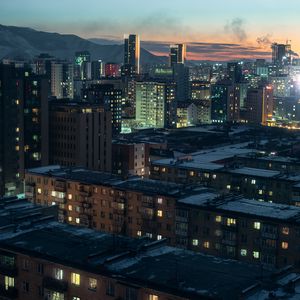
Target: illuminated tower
132	53
177	54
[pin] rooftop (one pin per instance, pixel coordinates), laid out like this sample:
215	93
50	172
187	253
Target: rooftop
139	261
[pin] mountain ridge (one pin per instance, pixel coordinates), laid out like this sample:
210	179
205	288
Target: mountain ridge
26	43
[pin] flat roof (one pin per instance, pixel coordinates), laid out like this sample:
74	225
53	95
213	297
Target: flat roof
151	264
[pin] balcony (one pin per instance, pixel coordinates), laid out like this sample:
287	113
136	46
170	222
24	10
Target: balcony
8	270
56	285
10	293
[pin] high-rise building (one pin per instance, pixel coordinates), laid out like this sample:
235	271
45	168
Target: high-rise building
108	97
181	78
82	65
177	54
34	130
80	135
225	102
259	105
97	70
112	70
281	54
132	53
62	83
151	104
234	72
10	94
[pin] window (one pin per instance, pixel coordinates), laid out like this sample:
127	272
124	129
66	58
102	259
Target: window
25	264
40	268
231	221
195	242
139	233
228	187
75	278
39	190
159	213
255	254
257	225
218	219
243	252
253	181
55	296
160	200
92	284
218	232
77	220
159	237
153	297
70	196
75	298
110	289
70	208
25	286
284	245
58	274
70	219
270	193
131	294
7	260
285	230
9	282
206	245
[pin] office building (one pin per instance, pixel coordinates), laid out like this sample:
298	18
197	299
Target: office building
132	54
281	54
112	70
177	54
62	85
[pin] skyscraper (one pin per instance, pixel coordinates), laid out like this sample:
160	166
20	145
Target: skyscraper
62	80
281	54
177	54
151	104
132	53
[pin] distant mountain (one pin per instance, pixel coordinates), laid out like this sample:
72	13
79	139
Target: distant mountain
25	43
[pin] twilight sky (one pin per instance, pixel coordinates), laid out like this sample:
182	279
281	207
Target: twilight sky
216	28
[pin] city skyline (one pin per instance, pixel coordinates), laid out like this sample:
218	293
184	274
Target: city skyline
214	31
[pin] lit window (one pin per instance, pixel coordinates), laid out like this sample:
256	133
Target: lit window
163	170
285	245
92	283
70	196
75	298
39	190
153	297
206	244
70	219
231	221
228	187
256	254
214	176
195	242
70	207
159	213
9	282
218	219
257	225
270	193
192	173
77	220
58	274
285	230
260	192
159	237
159	200
139	233
75	278
253	181
243	252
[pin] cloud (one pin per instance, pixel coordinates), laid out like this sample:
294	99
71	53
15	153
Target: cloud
236	28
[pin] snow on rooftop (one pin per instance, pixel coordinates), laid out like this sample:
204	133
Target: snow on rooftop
264	209
255	172
199	198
